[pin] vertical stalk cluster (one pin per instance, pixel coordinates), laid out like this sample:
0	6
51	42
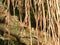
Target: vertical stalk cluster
49	20
20	9
27	17
8	19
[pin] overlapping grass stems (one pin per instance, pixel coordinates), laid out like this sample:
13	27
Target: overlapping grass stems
8	18
46	14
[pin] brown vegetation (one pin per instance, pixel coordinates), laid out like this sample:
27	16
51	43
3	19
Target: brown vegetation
47	17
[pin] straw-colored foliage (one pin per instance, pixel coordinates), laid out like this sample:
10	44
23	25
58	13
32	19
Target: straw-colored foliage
46	15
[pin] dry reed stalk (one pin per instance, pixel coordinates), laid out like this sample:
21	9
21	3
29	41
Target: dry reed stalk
26	13
53	21
36	15
29	21
39	10
57	10
39	13
5	22
50	18
33	13
20	5
54	16
41	17
48	13
20	9
54	37
44	20
8	20
53	28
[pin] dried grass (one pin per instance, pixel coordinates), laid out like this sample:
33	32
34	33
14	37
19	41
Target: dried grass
52	17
